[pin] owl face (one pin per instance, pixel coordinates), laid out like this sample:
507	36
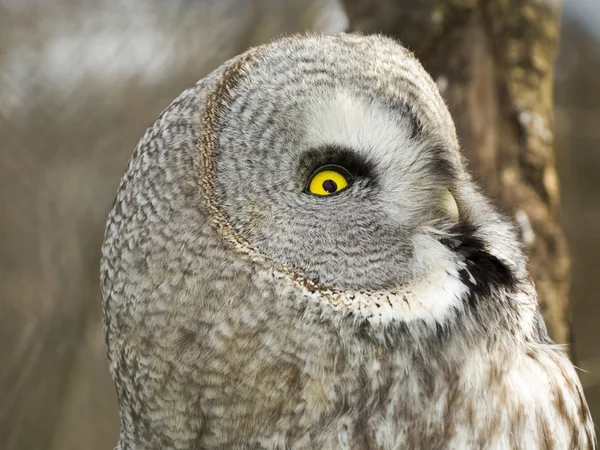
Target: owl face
332	171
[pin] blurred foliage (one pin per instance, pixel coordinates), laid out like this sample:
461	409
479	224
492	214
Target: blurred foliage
79	83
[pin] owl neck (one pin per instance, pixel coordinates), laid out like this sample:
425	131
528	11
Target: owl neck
285	386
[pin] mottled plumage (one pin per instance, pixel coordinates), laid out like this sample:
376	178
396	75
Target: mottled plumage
243	312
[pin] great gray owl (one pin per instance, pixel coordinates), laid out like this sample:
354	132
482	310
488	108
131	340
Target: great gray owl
297	259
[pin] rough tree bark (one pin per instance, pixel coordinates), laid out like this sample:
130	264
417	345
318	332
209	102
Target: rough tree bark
493	62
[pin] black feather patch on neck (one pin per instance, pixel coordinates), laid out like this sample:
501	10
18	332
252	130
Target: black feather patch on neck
484	272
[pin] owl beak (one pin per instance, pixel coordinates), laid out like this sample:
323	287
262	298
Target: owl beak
448	206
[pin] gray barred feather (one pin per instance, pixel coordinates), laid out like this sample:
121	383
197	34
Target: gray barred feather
241	312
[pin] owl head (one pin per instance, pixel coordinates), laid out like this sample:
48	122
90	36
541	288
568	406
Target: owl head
310	187
336	160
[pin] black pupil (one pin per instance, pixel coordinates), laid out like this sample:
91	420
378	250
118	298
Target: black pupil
329	186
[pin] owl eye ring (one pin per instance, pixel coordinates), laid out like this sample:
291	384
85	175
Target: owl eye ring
328	180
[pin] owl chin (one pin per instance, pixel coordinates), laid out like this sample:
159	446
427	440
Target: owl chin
429	300
460	269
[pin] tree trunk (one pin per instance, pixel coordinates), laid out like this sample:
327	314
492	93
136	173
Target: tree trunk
493	63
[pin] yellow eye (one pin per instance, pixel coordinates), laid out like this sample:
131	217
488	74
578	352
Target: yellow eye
328	180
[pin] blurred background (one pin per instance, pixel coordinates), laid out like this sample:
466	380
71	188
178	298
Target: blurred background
79	83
